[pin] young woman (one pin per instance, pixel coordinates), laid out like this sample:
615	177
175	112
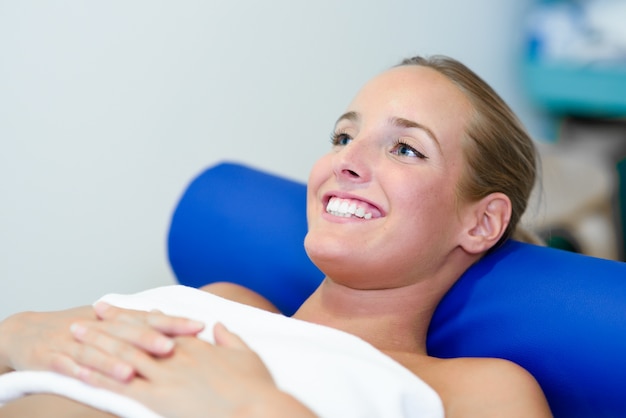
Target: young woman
429	170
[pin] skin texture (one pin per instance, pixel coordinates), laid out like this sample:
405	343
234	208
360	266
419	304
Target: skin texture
41	405
416	195
397	153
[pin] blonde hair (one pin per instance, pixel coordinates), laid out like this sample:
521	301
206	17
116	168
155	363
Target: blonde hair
500	155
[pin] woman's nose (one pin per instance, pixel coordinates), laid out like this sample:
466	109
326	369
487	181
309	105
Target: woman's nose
353	163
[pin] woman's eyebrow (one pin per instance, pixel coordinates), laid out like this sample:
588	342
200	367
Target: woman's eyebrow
406	123
350	116
353	116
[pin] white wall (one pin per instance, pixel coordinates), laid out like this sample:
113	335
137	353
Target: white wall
108	109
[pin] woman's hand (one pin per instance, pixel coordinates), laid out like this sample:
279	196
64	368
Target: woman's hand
109	345
201	379
40	340
52	340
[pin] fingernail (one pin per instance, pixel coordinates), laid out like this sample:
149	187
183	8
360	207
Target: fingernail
196	324
101	307
164	345
122	372
77	330
82	373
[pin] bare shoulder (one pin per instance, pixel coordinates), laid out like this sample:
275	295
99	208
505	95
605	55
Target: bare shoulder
241	294
489	387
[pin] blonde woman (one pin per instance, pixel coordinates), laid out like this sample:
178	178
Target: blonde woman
429	170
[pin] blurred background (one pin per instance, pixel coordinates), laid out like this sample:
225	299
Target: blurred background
109	109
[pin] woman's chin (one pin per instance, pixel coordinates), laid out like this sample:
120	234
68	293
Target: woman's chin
332	256
324	247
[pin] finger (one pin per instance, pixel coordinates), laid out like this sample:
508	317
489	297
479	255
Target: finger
166	324
99	380
135	389
106	311
94	378
115	356
97	355
225	338
173	325
66	365
112	337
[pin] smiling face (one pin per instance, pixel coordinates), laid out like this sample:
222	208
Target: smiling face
382	205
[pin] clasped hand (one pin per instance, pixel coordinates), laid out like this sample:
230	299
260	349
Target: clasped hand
111	346
171	370
151	357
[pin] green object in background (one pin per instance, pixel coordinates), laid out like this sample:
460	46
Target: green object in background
568	89
560	238
562	243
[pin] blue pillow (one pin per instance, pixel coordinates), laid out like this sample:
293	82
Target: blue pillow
238	224
560	315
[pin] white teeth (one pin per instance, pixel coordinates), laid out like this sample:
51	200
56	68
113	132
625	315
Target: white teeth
343	208
346	208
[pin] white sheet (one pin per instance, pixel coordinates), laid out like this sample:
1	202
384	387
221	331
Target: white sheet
334	373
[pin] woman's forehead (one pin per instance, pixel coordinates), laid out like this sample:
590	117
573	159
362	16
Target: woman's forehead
415	93
412	83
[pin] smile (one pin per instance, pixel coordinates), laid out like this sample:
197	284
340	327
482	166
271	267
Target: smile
347	208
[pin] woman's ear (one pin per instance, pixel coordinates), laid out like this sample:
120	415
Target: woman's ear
485	222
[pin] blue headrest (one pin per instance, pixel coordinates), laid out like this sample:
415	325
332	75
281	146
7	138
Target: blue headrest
241	225
560	315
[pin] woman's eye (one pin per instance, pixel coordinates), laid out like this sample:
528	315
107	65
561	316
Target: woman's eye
404	150
340	139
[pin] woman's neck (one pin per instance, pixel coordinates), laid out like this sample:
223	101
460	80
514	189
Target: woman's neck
392	320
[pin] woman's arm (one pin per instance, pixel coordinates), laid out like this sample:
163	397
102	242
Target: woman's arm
487	387
241	294
42	406
513	392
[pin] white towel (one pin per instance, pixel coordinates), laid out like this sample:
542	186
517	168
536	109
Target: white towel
17	384
332	372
